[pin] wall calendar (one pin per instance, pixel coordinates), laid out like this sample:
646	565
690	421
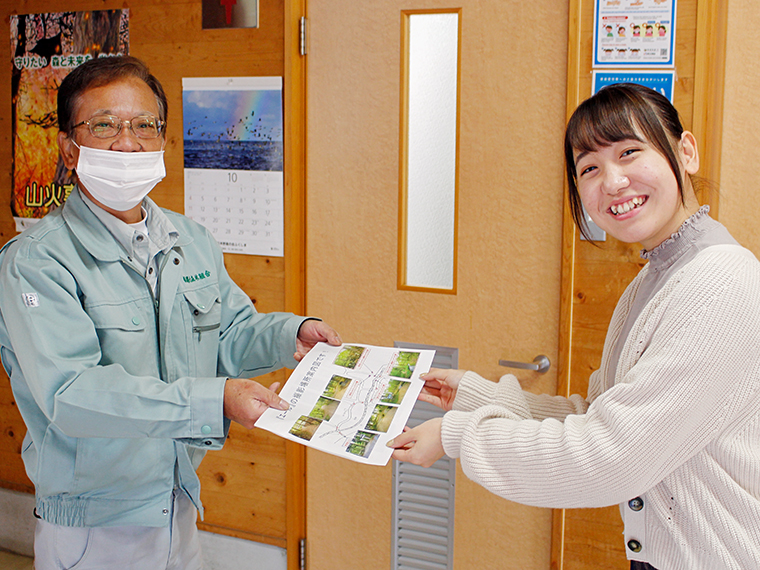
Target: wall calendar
233	157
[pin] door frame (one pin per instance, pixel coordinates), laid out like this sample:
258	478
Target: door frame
294	108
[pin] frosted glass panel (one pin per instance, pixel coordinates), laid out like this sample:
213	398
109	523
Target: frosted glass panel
431	151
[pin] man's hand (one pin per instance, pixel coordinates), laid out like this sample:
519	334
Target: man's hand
245	400
311	332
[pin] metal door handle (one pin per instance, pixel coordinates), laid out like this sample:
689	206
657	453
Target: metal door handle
540	364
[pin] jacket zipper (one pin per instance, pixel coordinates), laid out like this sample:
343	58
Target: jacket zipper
155	309
203	328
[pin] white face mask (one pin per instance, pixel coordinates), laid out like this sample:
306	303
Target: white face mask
119	180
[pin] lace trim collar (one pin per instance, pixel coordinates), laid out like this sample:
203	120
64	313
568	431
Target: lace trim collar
680	241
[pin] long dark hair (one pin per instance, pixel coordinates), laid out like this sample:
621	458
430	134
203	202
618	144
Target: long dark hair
619	112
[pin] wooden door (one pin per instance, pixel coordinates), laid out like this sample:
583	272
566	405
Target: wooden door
593	278
512	115
254	487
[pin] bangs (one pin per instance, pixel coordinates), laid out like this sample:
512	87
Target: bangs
621	112
601	125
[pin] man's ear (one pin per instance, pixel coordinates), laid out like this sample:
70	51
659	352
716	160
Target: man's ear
68	150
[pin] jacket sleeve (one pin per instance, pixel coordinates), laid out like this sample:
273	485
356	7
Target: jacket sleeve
252	343
696	358
56	363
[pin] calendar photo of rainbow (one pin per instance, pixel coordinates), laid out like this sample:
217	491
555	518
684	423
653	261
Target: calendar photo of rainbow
233	129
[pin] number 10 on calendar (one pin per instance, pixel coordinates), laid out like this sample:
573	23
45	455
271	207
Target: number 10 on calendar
242	209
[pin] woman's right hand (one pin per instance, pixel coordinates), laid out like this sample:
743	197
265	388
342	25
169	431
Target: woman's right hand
440	387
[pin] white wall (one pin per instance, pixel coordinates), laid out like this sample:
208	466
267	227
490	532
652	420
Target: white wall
17	522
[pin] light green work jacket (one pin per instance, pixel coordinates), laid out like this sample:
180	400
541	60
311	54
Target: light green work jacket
122	392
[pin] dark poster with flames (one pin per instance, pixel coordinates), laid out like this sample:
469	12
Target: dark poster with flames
44	49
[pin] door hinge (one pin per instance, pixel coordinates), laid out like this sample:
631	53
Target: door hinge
303	36
302	545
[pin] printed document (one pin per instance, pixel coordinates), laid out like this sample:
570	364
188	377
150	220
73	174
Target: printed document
350	400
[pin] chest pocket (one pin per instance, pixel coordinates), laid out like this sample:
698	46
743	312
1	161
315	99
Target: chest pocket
123	335
205	308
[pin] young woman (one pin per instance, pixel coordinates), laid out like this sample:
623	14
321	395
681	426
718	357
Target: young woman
670	428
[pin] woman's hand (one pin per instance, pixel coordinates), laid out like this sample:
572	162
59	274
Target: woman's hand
421	445
440	387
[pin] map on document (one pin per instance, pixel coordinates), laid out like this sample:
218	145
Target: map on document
350	400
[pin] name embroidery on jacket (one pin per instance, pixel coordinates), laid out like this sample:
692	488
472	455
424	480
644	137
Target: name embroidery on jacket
197	277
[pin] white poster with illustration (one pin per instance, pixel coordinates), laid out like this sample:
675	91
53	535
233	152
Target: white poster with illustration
350	400
634	33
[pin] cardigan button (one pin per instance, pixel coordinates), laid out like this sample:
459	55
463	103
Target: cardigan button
636	504
634	546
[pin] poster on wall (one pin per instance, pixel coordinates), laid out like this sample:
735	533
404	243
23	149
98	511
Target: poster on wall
233	145
634	33
660	81
44	49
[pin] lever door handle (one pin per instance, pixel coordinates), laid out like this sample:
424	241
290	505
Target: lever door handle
540	364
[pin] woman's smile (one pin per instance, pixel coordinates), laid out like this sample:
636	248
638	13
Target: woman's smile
627	206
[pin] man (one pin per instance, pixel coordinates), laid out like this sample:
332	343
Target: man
124	371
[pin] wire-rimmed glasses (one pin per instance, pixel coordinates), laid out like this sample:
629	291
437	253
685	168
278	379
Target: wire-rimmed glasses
109	126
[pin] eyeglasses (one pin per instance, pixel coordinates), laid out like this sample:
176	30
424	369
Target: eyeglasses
108	126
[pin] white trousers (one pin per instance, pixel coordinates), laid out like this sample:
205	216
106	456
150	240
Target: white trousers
175	547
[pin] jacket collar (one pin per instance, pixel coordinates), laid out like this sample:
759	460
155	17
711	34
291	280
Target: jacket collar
92	234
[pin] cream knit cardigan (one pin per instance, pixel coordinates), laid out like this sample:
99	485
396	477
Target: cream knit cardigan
680	427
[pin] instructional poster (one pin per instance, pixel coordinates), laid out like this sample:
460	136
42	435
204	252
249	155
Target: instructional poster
660	81
634	33
350	400
233	145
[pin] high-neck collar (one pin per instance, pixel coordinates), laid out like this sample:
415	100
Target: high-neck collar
678	243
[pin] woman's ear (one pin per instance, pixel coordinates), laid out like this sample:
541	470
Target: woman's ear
69	152
689	153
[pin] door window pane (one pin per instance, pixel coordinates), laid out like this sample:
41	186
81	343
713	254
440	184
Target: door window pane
430	128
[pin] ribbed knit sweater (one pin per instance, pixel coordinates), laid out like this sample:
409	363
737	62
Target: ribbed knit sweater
678	427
